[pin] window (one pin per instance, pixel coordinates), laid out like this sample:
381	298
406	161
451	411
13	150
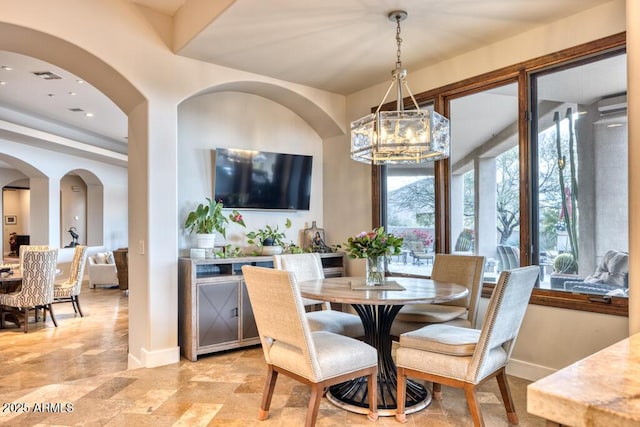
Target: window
580	143
537	176
485	177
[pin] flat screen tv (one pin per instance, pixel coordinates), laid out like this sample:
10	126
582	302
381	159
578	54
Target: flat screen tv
247	179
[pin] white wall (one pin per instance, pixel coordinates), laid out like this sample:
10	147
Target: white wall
240	120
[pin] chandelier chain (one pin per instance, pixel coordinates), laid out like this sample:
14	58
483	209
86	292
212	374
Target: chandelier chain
398	42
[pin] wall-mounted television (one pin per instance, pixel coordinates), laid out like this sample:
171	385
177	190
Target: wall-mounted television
249	179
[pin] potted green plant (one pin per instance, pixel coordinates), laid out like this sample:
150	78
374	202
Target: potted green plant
270	237
208	218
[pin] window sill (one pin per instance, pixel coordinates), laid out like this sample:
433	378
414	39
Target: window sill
616	306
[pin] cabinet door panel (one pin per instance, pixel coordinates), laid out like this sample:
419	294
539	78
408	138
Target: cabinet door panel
249	328
217	313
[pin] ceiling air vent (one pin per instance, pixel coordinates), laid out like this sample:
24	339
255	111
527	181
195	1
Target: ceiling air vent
47	75
76	110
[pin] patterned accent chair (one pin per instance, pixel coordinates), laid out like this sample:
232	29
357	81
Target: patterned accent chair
466	270
38	275
465	358
27	248
290	347
69	290
309	267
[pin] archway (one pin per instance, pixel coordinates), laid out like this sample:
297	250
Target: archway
82	207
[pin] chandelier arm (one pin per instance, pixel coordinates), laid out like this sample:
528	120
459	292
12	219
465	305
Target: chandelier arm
415	103
385	96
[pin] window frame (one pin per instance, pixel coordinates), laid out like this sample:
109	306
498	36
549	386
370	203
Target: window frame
520	72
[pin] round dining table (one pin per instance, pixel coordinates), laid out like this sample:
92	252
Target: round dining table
377	307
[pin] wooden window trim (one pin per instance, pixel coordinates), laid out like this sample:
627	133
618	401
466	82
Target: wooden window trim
616	306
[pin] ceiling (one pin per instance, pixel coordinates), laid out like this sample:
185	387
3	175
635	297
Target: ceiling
335	45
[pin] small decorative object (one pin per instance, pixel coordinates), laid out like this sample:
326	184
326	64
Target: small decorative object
207	219
74	238
314	240
13	244
374	245
10	220
269	240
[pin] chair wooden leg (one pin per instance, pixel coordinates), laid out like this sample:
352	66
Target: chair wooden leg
26	319
509	406
76	303
49	307
474	405
372	385
401	395
437	391
314	404
269	385
1	318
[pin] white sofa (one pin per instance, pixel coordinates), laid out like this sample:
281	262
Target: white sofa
102	270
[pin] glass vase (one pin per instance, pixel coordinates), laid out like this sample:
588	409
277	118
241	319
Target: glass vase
374	271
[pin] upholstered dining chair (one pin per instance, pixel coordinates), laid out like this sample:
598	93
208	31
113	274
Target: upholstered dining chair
38	274
27	248
316	358
69	290
308	266
465	358
466	270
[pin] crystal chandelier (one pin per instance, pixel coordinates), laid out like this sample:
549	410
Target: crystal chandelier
400	137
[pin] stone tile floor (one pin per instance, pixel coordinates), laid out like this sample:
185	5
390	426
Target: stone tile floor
76	375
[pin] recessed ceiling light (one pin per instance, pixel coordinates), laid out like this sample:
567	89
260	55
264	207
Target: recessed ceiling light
72	93
88	114
3	83
6	68
80	81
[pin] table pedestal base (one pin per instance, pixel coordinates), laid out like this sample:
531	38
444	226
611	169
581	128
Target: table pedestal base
353	395
350	396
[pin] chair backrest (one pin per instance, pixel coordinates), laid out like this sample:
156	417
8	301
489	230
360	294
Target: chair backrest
27	248
280	317
416	246
306	266
38	275
505	313
509	257
77	268
465	270
121	258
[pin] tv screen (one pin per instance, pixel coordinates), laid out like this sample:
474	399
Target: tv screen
262	180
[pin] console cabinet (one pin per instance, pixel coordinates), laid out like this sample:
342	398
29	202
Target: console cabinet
214	312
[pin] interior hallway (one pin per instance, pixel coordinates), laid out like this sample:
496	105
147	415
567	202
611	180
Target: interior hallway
83	362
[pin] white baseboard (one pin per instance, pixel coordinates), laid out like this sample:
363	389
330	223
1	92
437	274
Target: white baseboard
151	359
528	371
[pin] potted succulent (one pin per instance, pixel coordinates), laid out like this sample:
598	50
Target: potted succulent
269	240
208	218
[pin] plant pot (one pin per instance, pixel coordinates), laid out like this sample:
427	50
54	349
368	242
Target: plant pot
205	241
271	250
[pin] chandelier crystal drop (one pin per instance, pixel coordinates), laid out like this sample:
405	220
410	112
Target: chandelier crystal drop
400	137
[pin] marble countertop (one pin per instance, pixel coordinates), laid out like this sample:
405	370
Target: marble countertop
600	390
